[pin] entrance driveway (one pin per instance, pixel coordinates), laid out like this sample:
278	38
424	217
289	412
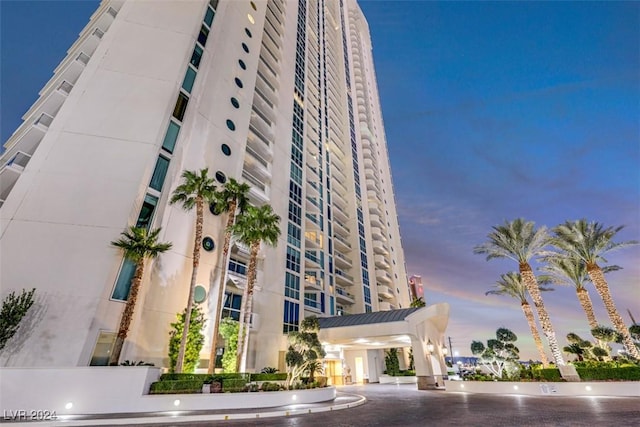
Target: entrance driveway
404	405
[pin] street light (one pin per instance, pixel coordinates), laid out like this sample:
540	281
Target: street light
430	347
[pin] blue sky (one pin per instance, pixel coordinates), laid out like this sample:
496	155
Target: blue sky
493	111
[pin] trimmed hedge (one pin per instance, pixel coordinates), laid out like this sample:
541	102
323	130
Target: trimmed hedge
628	373
233	384
269	377
549	374
177	387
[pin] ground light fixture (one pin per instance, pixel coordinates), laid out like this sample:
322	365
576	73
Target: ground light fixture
176	402
430	347
69	405
445	350
294	397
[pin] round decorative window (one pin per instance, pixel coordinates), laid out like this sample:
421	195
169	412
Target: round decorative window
246	30
245	47
235	102
208	244
250	18
226	149
242	64
238	82
199	294
214	209
253	5
221	177
231	125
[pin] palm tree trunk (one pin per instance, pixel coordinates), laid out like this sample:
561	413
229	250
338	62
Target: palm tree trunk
597	277
223	263
528	313
587	306
245	346
127	314
245	315
194	275
532	287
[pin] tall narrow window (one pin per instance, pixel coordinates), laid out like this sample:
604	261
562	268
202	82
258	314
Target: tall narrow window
181	106
204	34
196	56
159	173
171	136
146	212
121	290
189	79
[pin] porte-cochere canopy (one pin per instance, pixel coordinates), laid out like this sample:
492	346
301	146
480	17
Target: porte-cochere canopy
421	328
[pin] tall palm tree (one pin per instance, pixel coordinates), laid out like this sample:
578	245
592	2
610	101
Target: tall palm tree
138	245
511	284
588	242
196	189
564	270
519	241
233	197
254	226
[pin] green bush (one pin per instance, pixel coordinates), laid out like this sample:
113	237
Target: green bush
267	386
269	377
547	374
177	387
233	385
629	373
184	377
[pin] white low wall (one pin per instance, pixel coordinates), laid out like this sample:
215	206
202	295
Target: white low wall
386	379
119	389
593	388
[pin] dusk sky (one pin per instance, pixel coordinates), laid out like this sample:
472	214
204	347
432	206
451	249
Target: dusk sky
492	110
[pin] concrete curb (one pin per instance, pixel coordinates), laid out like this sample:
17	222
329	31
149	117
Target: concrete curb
176	417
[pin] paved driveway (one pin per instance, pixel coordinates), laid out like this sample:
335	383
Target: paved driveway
403	405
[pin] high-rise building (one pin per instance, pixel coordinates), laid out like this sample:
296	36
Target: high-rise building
415	287
279	94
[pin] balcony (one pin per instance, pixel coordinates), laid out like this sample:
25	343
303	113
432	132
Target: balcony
381	262
385	306
340	228
341	260
343	278
256	165
339	214
312	282
382	277
376	233
313	239
344	296
259	192
312	260
385	291
259	143
341	243
380	248
375	220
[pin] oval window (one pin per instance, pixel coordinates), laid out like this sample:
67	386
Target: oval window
242	64
199	294
221	177
207	244
231	125
235	103
238	82
245	47
226	149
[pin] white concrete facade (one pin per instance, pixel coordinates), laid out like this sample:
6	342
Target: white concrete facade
87	163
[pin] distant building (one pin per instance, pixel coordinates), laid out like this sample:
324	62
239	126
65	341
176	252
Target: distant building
415	286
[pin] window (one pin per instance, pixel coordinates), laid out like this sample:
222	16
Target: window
146	212
170	137
189	79
196	56
250	18
245	47
213	208
202	37
232	303
246	30
242	64
208	17
208	244
291	316
293	259
238	82
221	177
225	149
237	267
235	103
159	173
253	5
292	286
123	284
181	106
199	294
231	125
102	350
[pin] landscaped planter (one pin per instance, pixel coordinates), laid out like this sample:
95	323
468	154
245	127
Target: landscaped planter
387	379
591	388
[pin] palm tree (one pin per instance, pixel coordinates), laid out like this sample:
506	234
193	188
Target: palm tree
588	242
254	226
138	245
563	270
196	189
234	196
519	241
511	284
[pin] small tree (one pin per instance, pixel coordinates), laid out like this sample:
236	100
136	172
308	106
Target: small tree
304	350
195	340
500	356
418	302
229	331
14	308
581	348
391	361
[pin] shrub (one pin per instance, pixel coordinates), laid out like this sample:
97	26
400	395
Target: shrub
177	387
136	363
14	308
267	386
548	374
269	370
184	377
269	377
195	340
233	384
629	373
